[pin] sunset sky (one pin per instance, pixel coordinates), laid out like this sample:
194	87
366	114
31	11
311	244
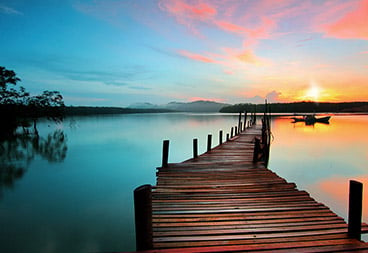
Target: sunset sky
119	52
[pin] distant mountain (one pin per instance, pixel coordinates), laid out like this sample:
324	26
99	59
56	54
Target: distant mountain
144	106
196	106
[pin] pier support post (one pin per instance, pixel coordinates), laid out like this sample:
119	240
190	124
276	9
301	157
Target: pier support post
227	137
195	148
257	148
165	153
220	137
236	130
355	209
209	142
143	217
232	132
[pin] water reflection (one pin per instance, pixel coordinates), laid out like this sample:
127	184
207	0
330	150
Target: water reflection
17	152
323	158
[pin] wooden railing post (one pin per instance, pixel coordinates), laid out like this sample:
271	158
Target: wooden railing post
236	130
257	147
227	137
209	142
195	148
245	120
355	209
232	132
220	137
239	122
241	127
143	217
165	153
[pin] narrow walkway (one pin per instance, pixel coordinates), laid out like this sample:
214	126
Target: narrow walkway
222	201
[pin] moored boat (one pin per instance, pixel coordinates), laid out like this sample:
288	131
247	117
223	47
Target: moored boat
311	119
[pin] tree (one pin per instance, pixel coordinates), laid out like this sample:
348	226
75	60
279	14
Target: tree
17	107
49	104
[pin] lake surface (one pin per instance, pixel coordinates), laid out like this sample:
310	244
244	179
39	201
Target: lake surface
75	192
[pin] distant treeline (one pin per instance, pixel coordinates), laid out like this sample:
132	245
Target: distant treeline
299	107
89	110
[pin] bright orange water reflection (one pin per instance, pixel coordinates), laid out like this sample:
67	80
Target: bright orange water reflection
321	159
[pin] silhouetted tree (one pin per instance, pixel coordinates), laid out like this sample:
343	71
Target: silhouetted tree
49	104
17	107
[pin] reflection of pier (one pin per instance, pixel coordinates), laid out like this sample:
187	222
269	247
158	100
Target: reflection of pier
227	200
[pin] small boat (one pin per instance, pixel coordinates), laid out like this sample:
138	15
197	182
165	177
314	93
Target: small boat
311	119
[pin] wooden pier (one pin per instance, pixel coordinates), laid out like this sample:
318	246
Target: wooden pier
227	200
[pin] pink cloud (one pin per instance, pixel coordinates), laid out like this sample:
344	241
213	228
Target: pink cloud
188	14
228	72
183	9
262	31
196	57
352	25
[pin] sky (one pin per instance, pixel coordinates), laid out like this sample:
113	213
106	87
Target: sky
121	52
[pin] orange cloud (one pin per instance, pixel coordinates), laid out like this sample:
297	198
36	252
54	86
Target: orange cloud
248	56
196	57
353	25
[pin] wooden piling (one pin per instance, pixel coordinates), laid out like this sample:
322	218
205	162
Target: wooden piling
239	121
143	217
232	132
165	153
195	148
209	142
220	137
256	149
355	209
245	120
227	137
236	130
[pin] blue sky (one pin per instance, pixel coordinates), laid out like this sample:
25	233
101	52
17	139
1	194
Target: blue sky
119	52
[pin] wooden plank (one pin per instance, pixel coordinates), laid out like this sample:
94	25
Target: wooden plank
299	246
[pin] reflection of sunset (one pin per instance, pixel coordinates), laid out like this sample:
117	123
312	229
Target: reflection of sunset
337	191
321	159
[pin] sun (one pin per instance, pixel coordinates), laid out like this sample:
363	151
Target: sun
314	92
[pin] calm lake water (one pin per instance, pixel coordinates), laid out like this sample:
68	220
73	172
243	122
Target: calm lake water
75	193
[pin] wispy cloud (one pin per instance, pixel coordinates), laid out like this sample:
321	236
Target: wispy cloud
196	57
189	14
8	10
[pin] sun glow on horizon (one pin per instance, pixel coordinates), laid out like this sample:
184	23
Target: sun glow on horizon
313	93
